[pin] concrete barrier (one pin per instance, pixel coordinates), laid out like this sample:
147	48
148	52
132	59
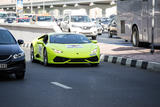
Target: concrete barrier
30	27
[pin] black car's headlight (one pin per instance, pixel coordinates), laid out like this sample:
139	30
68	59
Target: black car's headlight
18	55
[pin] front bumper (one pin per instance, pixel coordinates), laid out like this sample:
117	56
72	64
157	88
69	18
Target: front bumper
113	32
14	66
66	60
88	32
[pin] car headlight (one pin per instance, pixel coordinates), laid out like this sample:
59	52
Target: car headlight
94	51
57	51
19	55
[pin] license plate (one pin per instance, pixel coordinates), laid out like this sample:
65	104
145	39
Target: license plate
3	66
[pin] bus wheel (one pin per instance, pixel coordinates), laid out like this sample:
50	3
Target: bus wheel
135	37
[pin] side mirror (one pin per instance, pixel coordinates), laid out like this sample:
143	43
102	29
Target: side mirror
20	42
94	41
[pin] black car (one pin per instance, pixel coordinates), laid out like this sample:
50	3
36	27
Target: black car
12	57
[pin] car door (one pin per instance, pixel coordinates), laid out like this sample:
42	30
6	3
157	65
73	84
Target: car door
66	22
63	23
41	44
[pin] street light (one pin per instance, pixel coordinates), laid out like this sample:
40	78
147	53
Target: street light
51	6
64	5
28	7
153	25
76	5
31	7
113	2
91	4
39	7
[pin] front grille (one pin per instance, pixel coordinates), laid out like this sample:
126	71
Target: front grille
60	59
89	33
77	60
4	57
93	59
86	28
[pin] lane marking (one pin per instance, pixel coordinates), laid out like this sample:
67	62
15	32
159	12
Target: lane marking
61	85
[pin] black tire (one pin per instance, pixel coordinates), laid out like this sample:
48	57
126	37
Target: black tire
110	35
135	37
94	37
32	54
69	30
20	75
45	58
95	65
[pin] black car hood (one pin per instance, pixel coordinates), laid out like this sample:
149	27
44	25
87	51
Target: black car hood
9	49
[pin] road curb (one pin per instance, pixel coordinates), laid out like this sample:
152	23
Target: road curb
151	66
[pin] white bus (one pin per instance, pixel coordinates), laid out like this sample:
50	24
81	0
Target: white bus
135	21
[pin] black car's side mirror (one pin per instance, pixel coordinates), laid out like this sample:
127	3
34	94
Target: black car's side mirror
20	42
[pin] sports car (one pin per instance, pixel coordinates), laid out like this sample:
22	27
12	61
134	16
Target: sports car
65	48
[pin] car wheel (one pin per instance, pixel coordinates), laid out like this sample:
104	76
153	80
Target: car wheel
94	37
20	75
110	35
69	30
32	54
45	58
135	37
95	65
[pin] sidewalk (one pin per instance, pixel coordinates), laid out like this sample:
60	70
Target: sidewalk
130	52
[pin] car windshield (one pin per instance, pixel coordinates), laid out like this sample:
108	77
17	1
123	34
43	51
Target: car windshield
80	19
105	22
44	18
6	37
69	39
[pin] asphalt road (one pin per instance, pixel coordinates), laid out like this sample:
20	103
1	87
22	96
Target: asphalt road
104	38
108	85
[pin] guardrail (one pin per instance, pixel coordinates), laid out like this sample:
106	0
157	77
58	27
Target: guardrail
30	27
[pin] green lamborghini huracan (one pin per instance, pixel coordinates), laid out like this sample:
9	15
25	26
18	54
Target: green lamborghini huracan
65	48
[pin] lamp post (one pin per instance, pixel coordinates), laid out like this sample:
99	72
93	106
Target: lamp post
153	25
43	6
31	7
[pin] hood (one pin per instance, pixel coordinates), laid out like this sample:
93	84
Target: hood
9	49
72	49
88	24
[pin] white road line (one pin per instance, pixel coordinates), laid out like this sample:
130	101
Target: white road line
61	85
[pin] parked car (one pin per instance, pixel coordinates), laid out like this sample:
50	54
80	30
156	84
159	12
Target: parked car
12	57
99	28
59	21
79	24
43	20
10	20
112	28
3	16
105	24
23	20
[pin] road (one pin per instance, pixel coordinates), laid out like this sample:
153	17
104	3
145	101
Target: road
108	85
